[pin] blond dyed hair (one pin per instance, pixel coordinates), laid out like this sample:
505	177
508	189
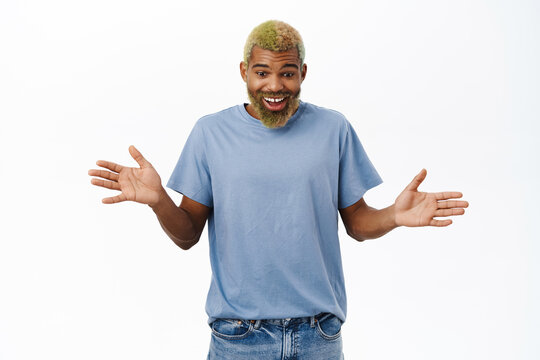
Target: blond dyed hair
274	35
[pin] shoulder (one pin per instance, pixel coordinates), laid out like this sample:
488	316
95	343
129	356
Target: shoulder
217	117
330	116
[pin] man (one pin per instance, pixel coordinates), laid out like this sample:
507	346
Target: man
270	177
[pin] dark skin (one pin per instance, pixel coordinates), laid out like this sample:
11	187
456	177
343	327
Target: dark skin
271	72
183	224
412	208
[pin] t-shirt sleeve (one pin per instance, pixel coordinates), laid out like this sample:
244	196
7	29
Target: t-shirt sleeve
356	172
191	176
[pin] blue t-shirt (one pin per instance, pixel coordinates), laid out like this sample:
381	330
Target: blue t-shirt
274	194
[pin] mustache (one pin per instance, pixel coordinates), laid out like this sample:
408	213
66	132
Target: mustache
273	94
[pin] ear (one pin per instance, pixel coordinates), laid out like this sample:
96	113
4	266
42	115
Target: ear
304	71
243	70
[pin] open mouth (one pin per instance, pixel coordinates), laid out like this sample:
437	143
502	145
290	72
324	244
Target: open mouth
275	103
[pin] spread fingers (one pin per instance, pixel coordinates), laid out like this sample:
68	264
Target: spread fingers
104	174
109	165
106	184
452	204
449	212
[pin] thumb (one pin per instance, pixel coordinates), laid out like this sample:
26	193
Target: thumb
413	186
135	154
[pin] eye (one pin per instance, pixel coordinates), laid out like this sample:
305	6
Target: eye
289	74
261	73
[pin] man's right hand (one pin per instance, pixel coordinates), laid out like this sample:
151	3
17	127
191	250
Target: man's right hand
142	185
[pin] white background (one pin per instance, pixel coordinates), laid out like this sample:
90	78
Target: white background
452	86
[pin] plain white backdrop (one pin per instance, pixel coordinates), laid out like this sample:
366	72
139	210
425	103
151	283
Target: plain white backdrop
452	86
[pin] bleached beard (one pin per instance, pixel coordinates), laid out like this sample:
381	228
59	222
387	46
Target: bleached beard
274	119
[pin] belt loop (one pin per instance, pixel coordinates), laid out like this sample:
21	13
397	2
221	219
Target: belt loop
312	321
257	324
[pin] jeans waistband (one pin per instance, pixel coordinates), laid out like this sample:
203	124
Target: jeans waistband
289	321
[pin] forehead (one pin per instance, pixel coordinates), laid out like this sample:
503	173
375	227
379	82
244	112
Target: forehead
273	58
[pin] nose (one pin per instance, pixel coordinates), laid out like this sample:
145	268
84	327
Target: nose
275	84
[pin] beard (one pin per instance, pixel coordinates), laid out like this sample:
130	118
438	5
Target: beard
274	119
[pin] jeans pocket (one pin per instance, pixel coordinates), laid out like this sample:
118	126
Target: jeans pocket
231	329
329	326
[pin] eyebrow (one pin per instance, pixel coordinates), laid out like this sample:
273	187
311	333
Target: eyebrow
284	66
290	65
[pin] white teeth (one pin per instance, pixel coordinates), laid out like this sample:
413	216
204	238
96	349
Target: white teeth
274	99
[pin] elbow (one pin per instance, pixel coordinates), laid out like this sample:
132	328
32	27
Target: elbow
186	244
357	235
361	233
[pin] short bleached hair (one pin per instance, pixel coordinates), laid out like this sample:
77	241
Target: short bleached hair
274	35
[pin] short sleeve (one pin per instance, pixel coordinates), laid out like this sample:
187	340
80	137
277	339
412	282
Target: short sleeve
191	176
356	172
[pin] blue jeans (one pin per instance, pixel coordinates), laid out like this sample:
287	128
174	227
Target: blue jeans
308	338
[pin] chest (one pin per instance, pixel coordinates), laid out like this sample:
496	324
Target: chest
275	160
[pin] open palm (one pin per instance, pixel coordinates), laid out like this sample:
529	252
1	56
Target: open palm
142	184
415	208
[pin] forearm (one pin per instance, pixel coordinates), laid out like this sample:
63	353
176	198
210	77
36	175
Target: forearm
176	222
373	223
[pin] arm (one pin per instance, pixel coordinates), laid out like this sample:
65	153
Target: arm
183	224
363	222
411	208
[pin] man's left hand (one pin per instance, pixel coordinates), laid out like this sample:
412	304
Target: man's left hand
415	208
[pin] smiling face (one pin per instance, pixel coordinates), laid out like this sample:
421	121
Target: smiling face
273	82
